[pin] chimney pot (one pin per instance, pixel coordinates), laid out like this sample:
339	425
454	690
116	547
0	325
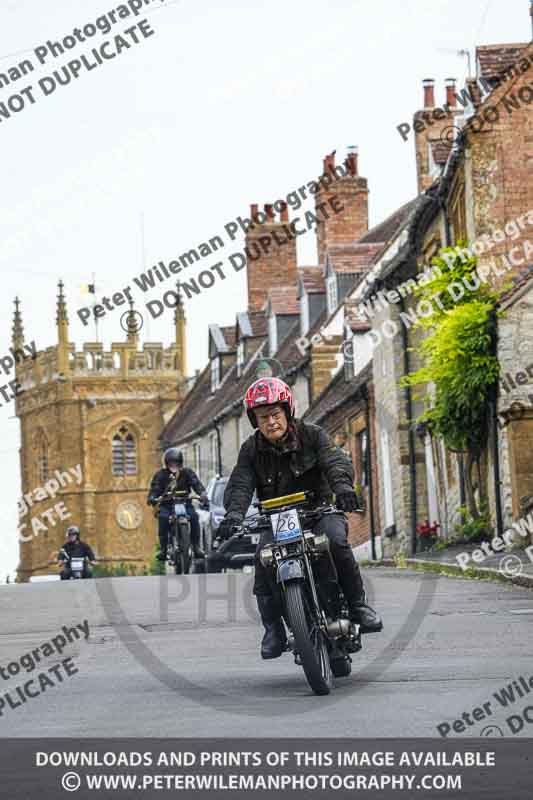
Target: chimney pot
451	99
329	163
269	211
284	211
253	212
351	160
429	93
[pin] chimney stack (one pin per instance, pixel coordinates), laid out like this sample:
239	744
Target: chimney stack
270	249
429	93
451	99
348	191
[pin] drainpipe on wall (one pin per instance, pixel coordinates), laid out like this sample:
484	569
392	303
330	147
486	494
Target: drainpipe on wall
495	443
411	435
219	448
364	392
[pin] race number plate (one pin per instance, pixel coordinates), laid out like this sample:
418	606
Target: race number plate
77	564
179	510
286	525
254	538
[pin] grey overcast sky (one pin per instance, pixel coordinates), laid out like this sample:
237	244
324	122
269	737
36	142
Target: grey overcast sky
225	105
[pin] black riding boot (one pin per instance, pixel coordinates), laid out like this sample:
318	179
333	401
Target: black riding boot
274	641
354	593
195	541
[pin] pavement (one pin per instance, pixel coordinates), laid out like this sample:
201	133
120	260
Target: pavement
514	565
178	656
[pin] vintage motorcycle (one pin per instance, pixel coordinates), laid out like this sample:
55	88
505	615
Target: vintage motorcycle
76	565
303	575
179	550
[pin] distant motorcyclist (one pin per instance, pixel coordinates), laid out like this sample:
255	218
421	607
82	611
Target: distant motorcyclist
286	455
186	480
75	548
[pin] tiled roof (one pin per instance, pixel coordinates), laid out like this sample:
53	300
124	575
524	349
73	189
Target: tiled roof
353	257
252	323
283	300
440	151
335	394
494	59
312	279
228	332
386	229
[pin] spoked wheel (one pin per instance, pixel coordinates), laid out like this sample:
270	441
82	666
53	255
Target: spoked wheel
182	557
309	640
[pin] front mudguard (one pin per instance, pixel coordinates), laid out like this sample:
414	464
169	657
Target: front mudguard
290	570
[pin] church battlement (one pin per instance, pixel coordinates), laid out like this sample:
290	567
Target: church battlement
123	360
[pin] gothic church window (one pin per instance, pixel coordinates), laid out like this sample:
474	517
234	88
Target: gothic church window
124	452
42	457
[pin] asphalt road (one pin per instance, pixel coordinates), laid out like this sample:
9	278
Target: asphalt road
179	656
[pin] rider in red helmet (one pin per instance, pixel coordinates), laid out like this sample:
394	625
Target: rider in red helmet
283	456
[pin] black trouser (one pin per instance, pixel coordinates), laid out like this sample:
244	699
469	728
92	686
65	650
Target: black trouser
335	526
164	526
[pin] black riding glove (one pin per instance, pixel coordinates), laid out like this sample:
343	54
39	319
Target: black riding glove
347	501
228	525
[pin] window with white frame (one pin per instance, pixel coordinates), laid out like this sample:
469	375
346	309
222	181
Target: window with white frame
215	373
240	357
184	451
272	334
332	293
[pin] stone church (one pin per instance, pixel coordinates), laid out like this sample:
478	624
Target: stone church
97	414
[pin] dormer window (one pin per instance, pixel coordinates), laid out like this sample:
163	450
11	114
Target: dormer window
215	373
272	334
240	357
332	293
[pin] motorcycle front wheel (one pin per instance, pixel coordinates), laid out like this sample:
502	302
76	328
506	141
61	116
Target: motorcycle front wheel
182	557
309	640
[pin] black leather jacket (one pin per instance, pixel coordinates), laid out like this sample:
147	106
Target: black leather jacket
187	480
305	458
76	550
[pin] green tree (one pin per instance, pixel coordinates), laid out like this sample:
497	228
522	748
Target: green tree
459	364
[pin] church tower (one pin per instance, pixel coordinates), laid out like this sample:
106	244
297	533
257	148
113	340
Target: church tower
90	423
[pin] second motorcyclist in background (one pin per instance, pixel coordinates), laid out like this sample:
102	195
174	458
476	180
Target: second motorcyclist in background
74	548
186	479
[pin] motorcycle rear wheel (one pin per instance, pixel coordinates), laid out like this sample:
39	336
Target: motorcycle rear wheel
314	654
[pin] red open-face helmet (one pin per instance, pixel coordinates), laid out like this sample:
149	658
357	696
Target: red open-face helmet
266	392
